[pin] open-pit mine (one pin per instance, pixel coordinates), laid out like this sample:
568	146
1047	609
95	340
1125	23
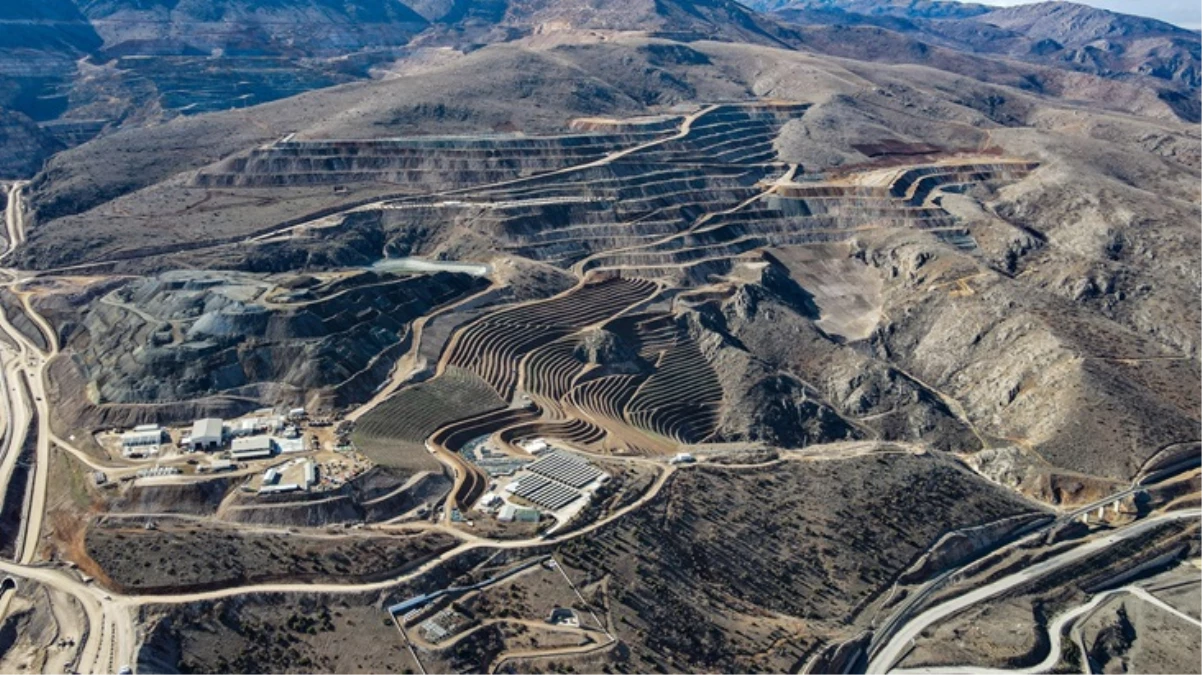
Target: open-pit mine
617	336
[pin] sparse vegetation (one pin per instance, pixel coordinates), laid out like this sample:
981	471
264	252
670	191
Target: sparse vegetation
207	556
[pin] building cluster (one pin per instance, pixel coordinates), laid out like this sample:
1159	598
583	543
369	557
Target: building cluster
557	482
158	472
274	482
494	462
444	624
249	438
143	440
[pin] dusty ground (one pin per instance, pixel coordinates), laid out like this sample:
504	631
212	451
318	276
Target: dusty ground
208	556
743	569
1010	631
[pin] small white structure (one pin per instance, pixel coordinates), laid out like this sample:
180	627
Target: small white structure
208	434
270	477
144	439
254	447
507	513
310	474
682	458
248	427
534	446
158	472
282	487
564	616
290	445
220	465
297	414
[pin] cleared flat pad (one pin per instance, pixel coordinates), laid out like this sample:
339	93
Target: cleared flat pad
846	291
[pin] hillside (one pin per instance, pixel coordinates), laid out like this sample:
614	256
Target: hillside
1060	35
599	336
40	44
91	67
250	27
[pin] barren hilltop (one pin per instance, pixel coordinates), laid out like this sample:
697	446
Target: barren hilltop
598	336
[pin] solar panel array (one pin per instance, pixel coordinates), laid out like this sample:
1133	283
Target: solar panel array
546	493
566	469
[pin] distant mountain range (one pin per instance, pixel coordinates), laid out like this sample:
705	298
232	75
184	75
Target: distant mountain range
73	69
1058	34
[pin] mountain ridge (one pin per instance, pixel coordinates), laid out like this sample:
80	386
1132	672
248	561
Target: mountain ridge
101	64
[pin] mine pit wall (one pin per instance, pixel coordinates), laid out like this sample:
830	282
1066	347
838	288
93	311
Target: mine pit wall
427	489
431	162
73	409
363	384
150	259
1165	561
76	399
666	124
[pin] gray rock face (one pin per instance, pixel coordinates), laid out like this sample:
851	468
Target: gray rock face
604	348
785	416
185	335
1060	34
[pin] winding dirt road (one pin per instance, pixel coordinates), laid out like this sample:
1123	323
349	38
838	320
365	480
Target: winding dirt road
900	643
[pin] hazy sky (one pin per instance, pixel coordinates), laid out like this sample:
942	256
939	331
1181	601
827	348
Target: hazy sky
1187	13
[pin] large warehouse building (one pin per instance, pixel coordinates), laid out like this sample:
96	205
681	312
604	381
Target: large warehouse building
208	434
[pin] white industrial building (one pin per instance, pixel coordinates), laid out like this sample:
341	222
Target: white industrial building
259	424
254	447
208	434
282	487
310	474
247	427
144	439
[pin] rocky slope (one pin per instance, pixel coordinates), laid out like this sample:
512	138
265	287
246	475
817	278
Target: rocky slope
89	67
237	339
259	27
1060	35
40	44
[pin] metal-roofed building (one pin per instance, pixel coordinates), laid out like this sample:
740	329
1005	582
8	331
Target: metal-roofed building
546	493
254	447
571	471
208	434
146	438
